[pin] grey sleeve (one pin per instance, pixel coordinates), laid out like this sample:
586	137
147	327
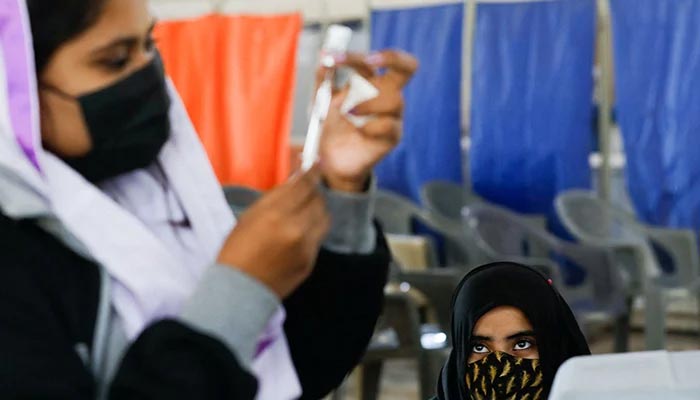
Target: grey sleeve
352	231
232	307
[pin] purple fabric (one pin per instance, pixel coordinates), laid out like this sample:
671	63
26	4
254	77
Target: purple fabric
264	345
272	332
19	64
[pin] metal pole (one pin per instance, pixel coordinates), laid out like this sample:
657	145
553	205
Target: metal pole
604	43
467	65
367	22
217	6
325	16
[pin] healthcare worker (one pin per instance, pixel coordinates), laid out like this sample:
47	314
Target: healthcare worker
124	273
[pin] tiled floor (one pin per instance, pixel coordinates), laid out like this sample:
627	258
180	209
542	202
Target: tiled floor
400	379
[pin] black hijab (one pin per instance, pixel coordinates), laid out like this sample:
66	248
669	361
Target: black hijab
508	284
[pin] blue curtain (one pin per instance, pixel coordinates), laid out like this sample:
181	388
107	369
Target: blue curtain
532	101
430	149
657	59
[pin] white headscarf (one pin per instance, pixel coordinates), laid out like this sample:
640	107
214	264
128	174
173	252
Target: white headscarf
124	226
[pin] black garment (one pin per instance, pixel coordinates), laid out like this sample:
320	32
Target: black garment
331	318
171	361
508	284
48	305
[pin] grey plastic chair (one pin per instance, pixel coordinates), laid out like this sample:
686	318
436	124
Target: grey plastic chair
447	199
655	260
400	334
239	198
398	215
502	235
438	286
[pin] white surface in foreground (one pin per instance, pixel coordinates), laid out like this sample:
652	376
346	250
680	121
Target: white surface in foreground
644	375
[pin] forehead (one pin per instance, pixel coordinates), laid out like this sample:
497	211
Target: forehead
502	322
118	18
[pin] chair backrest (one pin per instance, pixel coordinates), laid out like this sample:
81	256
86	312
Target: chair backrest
591	280
438	286
447	199
592	220
399	215
396	214
602	286
239	198
500	232
501	235
676	253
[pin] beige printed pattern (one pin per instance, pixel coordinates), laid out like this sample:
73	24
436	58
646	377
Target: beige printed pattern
500	376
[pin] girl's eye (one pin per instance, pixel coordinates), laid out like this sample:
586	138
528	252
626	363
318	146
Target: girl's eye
480	349
116	59
116	64
150	43
523	345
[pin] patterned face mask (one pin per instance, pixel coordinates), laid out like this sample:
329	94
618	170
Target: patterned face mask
500	376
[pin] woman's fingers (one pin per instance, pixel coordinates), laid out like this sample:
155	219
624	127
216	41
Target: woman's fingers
359	63
383	128
400	66
298	191
311	219
389	103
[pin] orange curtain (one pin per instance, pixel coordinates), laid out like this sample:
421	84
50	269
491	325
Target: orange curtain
236	77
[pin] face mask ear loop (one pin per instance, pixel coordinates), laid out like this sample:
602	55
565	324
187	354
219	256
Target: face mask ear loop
60	93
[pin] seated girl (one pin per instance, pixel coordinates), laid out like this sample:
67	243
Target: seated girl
511	331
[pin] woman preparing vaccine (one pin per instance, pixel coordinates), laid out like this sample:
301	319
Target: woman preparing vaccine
124	272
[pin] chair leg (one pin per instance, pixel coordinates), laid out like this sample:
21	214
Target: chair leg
655	319
429	366
622	328
698	296
370	380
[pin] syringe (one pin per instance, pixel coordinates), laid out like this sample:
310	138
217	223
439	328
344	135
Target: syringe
336	43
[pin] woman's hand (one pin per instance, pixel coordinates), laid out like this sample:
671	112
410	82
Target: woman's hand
348	154
278	239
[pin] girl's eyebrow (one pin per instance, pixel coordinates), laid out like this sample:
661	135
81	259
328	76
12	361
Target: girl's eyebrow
521	334
128	41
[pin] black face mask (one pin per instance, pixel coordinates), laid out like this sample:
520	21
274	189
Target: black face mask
128	123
